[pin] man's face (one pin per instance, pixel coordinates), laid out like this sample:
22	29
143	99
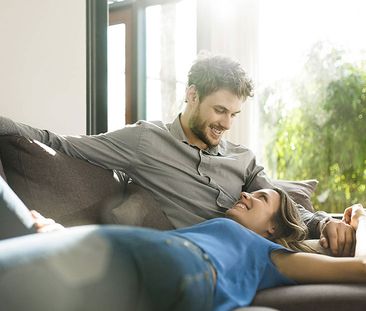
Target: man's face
213	116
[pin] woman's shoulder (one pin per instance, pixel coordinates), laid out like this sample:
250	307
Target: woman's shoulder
227	225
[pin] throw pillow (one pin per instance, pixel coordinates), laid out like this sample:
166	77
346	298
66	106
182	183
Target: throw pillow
299	191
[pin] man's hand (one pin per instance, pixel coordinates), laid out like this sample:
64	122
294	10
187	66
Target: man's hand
43	224
339	236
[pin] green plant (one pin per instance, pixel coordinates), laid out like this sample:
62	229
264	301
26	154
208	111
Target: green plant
324	135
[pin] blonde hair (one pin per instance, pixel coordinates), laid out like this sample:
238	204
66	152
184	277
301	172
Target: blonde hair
290	230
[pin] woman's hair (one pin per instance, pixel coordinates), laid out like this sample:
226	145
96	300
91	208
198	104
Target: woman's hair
212	73
290	230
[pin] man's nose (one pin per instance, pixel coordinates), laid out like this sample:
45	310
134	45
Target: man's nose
226	122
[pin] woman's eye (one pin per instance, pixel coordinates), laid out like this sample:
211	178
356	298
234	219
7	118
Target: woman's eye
263	197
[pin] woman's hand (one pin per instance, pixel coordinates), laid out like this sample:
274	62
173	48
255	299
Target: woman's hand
43	224
352	214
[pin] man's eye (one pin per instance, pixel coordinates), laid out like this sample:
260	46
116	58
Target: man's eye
219	111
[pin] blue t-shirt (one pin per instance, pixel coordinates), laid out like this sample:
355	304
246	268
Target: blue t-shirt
241	258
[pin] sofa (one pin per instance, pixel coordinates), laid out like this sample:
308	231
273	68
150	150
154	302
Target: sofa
75	192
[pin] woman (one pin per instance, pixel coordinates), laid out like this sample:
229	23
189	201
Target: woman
216	265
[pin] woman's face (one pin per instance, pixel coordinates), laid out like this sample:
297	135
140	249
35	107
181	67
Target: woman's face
256	211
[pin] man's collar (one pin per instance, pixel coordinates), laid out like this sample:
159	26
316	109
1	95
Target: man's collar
177	131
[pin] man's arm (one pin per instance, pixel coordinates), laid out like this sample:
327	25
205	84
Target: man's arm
9	127
113	150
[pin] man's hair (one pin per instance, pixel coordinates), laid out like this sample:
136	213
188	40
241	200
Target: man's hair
212	73
290	230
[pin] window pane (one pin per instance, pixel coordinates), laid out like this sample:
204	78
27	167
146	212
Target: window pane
170	50
313	76
116	76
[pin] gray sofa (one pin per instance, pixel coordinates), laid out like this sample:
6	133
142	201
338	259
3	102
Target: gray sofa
74	192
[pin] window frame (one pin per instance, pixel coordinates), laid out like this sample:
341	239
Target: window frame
96	66
98	15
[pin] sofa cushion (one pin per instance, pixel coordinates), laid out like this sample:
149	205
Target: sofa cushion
66	189
299	191
139	208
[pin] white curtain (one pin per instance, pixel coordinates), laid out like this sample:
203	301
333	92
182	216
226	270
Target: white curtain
230	27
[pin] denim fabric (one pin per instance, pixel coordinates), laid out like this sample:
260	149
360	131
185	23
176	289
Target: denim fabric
173	272
241	259
110	267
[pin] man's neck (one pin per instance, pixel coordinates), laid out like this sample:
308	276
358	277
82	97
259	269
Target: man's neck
191	137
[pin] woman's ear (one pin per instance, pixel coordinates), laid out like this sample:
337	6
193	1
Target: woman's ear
271	230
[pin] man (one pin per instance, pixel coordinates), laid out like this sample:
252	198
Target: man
193	173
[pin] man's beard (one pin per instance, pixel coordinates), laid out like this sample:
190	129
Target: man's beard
198	127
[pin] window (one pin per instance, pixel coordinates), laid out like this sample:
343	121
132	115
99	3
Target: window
151	47
312	78
120	63
116	76
170	51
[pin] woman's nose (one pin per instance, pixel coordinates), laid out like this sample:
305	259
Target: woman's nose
245	195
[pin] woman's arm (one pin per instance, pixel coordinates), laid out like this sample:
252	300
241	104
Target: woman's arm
314	268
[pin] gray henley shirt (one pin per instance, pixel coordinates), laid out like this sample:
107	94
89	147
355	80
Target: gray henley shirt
191	185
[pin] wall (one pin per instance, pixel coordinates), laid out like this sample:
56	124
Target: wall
43	63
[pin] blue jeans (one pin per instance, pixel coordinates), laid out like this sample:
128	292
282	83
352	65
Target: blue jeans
104	268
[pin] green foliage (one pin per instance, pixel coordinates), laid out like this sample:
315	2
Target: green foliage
324	135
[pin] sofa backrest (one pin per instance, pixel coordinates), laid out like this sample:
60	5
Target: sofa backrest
66	189
73	191
2	173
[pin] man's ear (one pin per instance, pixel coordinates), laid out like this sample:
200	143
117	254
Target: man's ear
192	95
